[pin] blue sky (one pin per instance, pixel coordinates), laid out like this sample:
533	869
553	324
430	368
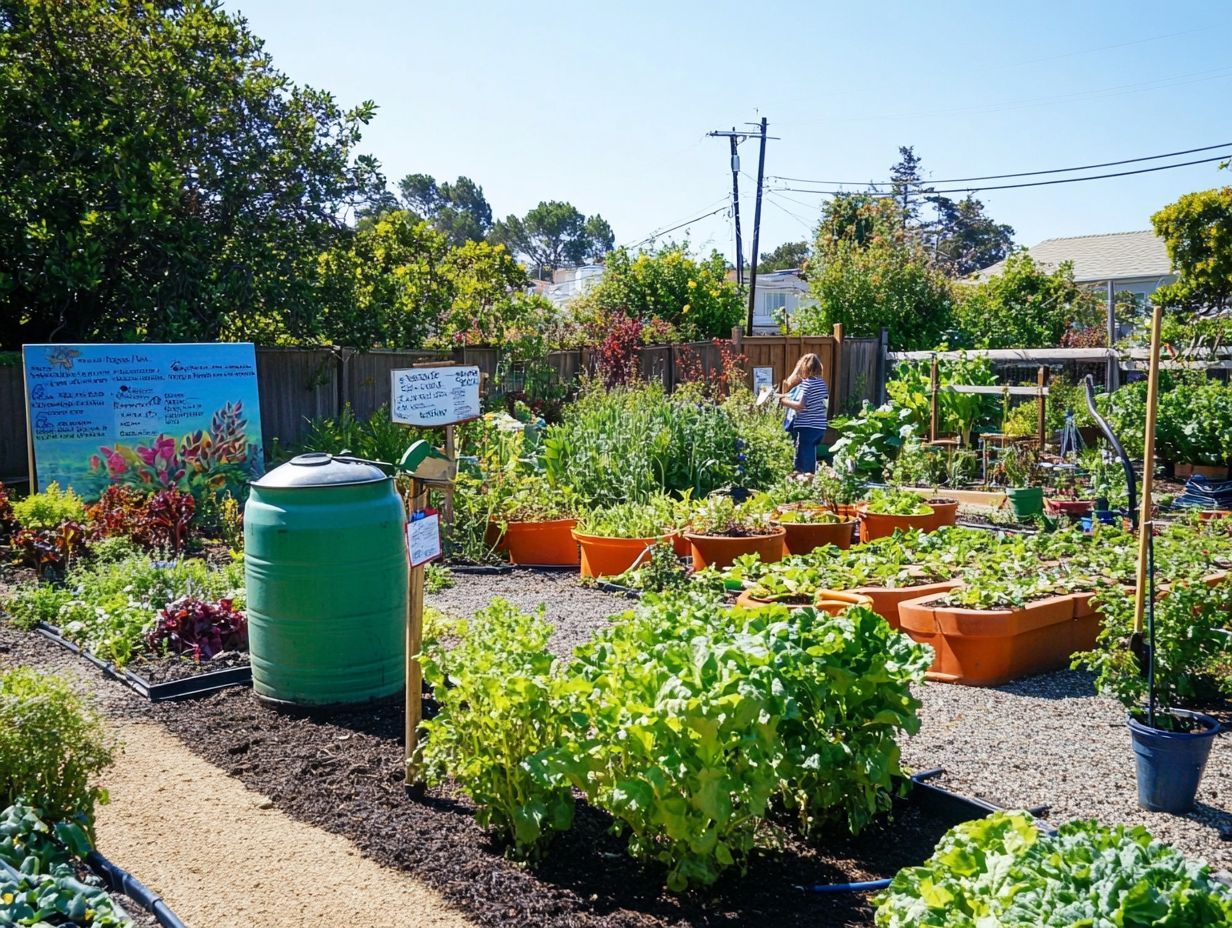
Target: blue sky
607	105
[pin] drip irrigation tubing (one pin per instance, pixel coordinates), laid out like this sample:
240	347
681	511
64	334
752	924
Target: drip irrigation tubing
124	882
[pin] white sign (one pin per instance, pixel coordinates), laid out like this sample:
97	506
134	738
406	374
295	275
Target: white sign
423	539
762	377
434	395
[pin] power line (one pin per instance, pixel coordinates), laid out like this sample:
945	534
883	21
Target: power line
958	180
1038	183
660	232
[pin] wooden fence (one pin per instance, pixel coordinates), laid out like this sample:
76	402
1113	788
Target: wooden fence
12	423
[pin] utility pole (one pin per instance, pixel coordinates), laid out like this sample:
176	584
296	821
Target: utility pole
735	138
761	171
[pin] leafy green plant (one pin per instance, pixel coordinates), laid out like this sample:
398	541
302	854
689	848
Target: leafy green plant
660	572
870	441
532	498
721	515
1001	870
897	503
437	578
52	745
502	715
50	508
648	519
32	603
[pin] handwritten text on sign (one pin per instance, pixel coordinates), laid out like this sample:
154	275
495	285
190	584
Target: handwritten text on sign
423	538
435	395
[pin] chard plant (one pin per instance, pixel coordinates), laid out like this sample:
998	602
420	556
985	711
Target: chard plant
897	503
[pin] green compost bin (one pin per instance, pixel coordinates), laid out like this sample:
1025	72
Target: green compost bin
326	567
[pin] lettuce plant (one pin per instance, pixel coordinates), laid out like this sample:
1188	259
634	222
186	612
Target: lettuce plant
1002	871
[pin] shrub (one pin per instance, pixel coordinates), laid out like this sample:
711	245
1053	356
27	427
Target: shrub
1001	870
501	716
50	508
37	602
52	745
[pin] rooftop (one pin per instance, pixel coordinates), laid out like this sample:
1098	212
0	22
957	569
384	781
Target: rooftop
1114	256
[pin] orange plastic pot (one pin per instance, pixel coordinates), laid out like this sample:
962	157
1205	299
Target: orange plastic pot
803	537
541	543
874	525
1074	508
885	601
721	550
606	557
1209	515
945	512
835	601
746	600
987	647
681	545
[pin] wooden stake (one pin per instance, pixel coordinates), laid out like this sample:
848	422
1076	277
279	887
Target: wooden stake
414	642
1148	460
933	381
1041	381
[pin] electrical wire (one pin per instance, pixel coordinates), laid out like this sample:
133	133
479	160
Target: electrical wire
1038	183
660	232
958	180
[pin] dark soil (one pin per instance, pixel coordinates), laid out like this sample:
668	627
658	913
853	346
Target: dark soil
175	667
343	772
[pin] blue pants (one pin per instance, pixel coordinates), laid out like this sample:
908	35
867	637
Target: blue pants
807	441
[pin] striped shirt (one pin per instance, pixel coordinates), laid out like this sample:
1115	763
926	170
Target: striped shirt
815	395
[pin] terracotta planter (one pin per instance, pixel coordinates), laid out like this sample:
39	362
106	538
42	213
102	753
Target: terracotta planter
681	545
721	550
1209	471
945	512
885	601
987	647
835	602
1209	515
874	525
1074	508
607	557
541	543
803	537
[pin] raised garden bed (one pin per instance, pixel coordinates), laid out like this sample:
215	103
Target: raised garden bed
172	678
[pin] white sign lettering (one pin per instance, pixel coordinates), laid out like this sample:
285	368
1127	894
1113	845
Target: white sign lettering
423	539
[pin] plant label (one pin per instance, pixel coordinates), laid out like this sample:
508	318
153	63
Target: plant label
423	537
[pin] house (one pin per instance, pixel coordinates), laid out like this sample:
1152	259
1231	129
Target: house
779	294
1118	262
570	282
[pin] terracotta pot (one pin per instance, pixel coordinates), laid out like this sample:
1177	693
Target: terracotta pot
747	600
835	602
541	543
803	537
681	545
987	647
1209	471
874	525
945	512
884	601
1074	508
607	557
721	550
1208	515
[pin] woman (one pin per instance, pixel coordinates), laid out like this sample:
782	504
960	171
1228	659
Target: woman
807	399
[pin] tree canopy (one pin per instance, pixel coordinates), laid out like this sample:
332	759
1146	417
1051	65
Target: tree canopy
554	234
1197	230
788	256
160	179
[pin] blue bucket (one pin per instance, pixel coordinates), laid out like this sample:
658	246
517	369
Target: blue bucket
1170	763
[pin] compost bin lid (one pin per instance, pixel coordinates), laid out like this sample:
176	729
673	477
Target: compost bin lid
318	469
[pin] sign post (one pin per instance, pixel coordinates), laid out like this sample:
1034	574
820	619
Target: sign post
439	397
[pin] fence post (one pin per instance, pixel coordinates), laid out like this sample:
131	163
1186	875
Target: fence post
1041	381
837	374
883	349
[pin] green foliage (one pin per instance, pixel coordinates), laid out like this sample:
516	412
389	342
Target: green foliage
1001	870
870	441
693	296
635	519
660	572
1194	424
32	603
52	746
531	498
869	272
42	887
161	180
1025	306
49	508
1195	231
629	443
721	515
376	438
502	714
1192	651
958	413
897	503
787	256
437	578
458	210
554	234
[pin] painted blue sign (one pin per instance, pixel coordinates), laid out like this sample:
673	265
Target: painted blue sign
148	416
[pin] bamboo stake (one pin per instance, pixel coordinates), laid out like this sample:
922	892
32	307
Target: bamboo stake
414	642
1148	458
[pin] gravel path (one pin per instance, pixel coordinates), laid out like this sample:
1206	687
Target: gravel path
1050	740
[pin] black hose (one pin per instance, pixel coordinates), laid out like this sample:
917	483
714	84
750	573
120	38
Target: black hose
1106	429
124	882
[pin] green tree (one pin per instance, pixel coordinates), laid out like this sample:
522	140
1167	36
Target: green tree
460	209
553	235
867	271
788	256
160	179
399	283
1026	306
1197	230
906	182
967	238
694	297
